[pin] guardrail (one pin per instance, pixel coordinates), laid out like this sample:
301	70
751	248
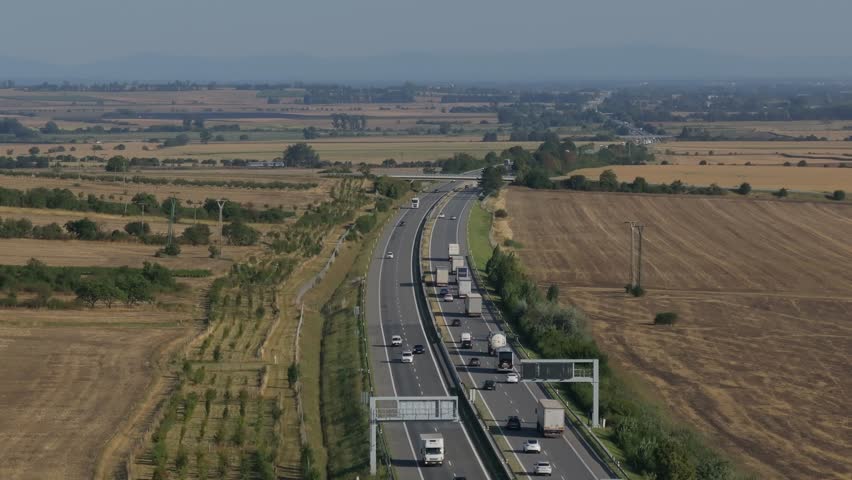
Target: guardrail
496	463
612	464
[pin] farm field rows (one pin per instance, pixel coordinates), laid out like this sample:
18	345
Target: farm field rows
759	358
833	130
756	152
810	179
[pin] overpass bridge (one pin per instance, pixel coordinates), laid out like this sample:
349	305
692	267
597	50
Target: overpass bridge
444	177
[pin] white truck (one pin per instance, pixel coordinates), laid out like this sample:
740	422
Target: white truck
473	305
466	340
415	202
458	262
454	250
550	417
442	276
462	273
432	449
495	341
464	288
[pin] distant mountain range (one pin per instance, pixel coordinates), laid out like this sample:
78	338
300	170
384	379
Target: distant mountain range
629	64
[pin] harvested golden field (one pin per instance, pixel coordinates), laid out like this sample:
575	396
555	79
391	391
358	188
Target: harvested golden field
811	179
116	191
758	153
759	360
69	392
79	253
833	130
369	150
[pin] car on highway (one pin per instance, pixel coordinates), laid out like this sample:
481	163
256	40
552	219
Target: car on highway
444	291
448	297
441	215
514	423
402	223
407	357
453	218
532	446
396	340
489	385
474	362
512	377
390	255
419	349
543	468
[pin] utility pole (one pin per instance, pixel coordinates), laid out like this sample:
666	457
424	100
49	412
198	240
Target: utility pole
221	203
632	225
641	229
171	221
142	223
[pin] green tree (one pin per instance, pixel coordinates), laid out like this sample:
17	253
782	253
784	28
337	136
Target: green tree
146	199
137	229
136	288
608	181
84	229
205	136
117	164
301	155
198	234
838	195
553	293
240	234
491	180
744	189
34	151
51	128
310	133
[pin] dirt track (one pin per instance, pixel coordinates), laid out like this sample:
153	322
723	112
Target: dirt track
760	358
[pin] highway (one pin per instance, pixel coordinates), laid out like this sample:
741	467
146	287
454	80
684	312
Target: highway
570	458
391	309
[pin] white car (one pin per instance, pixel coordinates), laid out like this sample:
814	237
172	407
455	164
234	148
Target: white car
396	340
407	357
453	218
441	215
532	446
390	255
543	468
448	297
512	377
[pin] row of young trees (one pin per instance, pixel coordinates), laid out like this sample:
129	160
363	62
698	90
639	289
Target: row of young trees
651	446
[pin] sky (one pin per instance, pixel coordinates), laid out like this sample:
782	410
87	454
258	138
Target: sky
83	31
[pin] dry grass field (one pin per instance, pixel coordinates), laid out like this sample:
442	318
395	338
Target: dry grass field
832	130
758	153
760	358
811	179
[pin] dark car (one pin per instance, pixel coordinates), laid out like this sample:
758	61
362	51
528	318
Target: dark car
474	362
514	423
490	385
402	223
419	349
457	322
444	291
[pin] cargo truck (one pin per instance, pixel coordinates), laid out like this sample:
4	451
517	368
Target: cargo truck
431	449
458	262
466	340
473	305
495	341
462	273
505	359
550	417
464	288
415	202
454	250
442	276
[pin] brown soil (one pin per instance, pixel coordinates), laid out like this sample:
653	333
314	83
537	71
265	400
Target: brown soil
760	357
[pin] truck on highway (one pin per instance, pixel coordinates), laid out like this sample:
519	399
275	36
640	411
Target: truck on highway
550	417
466	340
462	273
458	262
505	359
454	250
415	202
442	276
495	340
464	288
473	305
431	449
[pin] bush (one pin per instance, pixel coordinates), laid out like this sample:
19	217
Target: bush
137	229
84	229
171	250
838	195
703	162
665	318
215	252
781	193
240	234
744	189
501	213
198	234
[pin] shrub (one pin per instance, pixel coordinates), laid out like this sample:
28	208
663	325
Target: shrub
171	250
501	213
137	228
240	234
802	163
665	318
744	189
781	193
703	162
838	195
198	234
636	291
215	252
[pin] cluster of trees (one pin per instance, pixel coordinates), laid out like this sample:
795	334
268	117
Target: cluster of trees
343	121
301	155
492	179
23	161
533	116
23	228
178	141
608	182
391	187
90	284
464	162
553	331
335	94
12	127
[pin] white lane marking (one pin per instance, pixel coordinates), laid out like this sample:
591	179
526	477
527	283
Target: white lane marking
387	357
470	376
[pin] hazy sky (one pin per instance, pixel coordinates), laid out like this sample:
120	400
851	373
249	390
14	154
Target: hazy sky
80	31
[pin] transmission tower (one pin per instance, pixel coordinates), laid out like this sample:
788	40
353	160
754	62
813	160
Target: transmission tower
640	229
221	204
632	225
171	221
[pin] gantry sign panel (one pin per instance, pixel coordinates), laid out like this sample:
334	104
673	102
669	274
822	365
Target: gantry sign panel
407	409
550	371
